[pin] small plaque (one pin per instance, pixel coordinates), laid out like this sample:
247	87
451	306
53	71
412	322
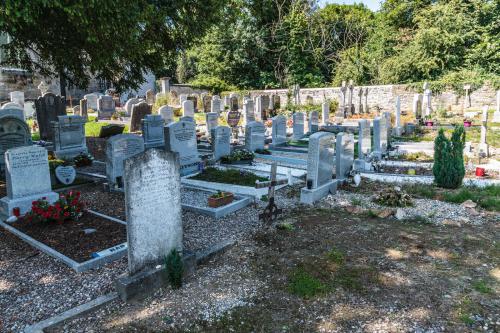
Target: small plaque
66	174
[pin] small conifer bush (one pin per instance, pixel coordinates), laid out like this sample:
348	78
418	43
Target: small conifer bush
174	269
448	168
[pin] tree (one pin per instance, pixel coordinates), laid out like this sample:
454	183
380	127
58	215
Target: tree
448	168
115	40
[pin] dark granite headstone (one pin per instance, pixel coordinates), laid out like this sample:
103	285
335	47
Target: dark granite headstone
110	130
48	107
139	112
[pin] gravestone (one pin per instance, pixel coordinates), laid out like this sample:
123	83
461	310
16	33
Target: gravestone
234	103
118	149
14	112
167	114
365	106
83	109
379	136
227	103
91	101
185	118
207	103
483	143
254	136
320	158
364	139
153	208
14	132
11	105
325	112
212	120
110	130
313	122
417	106
467	98
65	174
150	97
309	100
105	107
279	130
139	112
129	104
298	125
69	137
194	99
188	109
76	110
152	131
427	106
48	108
344	156
398	130
17	97
360	99
266	102
180	137
259	108
215	105
28	179
182	98
221	141
233	118
275	102
350	106
248	112
388	125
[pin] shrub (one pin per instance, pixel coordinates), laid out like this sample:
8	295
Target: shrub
67	207
448	168
174	269
394	197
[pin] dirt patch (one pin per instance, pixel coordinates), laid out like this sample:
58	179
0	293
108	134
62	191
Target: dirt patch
70	239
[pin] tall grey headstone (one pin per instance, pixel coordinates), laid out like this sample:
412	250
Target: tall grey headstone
417	106
388	124
150	97
248	112
427	105
105	107
48	108
152	187
139	112
215	104
325	112
91	101
398	129
188	109
69	137
313	122
118	149
83	109
366	109
380	136
182	98
152	131
259	108
279	130
360	100
254	136
344	155
364	139
212	120
167	113
28	179
180	137
221	141
298	125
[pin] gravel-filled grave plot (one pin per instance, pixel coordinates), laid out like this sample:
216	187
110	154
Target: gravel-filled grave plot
77	240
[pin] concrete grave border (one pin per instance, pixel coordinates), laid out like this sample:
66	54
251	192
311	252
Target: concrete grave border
76	266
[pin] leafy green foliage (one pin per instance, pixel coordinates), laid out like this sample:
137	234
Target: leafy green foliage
305	285
174	269
229	176
449	169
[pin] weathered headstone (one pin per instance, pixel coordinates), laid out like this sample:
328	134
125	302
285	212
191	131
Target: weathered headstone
483	143
165	85
313	122
91	101
248	112
325	112
139	112
279	130
153	208
275	102
398	129
14	132
344	156
467	98
48	108
417	106
254	136
182	98
180	137
388	125
364	139
76	110
118	149
150	97
17	97
320	158
12	105
12	111
360	99
298	125
350	107
215	105
212	120
188	109
69	137
234	102
259	108
194	99
152	131
221	141
129	104
167	113
111	130
28	179
105	107
427	106
379	136
207	103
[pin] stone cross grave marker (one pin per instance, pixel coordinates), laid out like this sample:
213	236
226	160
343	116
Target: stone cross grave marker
69	137
271	212
153	208
139	112
152	131
28	179
221	141
279	130
180	137
298	125
118	149
254	136
344	156
167	114
48	108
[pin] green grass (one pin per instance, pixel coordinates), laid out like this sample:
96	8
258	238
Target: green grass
421	190
336	256
285	226
482	287
305	285
487	197
297	143
229	176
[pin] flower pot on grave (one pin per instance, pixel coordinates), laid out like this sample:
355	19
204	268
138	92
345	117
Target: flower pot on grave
429	123
467	123
480	172
225	199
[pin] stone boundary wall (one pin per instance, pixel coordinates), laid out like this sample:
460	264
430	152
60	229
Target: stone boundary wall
384	97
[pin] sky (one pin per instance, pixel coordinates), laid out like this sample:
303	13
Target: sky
372	4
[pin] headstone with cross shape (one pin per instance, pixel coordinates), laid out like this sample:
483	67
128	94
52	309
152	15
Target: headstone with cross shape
271	211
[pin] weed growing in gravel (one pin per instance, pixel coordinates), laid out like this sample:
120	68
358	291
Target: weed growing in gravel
421	190
305	285
336	256
482	287
285	226
174	269
356	202
487	198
